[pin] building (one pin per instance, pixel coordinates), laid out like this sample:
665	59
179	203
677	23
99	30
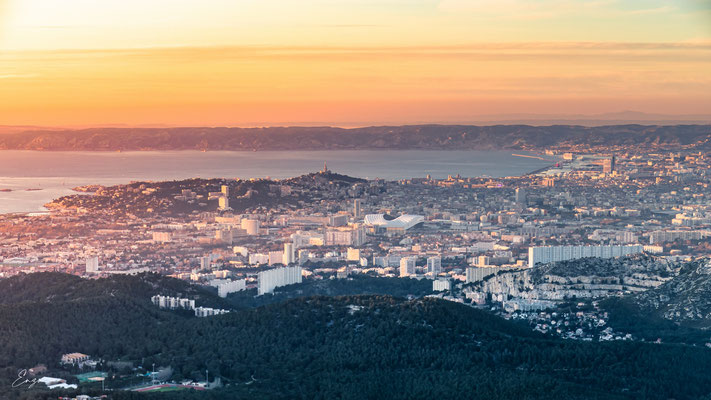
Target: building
343	272
387	261
56	383
397	225
225	288
338	220
303	256
434	265
37	370
690	220
407	266
202	312
224	203
251	226
654	249
441	285
289	254
74	358
521	197
92	265
258	259
345	236
224	236
608	165
353	254
269	280
548	254
162	237
225	191
670	236
476	274
306	239
276	257
357	207
173	303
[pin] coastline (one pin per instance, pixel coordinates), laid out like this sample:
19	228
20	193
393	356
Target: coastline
56	173
540	170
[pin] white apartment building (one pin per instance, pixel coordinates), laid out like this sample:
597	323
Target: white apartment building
440	285
407	266
269	280
548	254
434	265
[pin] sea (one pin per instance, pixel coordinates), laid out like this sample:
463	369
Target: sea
30	179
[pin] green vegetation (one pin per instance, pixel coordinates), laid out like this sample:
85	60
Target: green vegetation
355	285
677	311
348	347
626	316
57	287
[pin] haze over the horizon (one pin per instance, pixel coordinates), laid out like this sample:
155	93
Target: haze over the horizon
348	62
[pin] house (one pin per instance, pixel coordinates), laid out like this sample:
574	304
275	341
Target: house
74	358
56	383
37	370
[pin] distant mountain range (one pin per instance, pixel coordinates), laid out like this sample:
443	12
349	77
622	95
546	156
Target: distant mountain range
615	118
428	137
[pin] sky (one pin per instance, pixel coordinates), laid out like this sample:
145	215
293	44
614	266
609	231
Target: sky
347	62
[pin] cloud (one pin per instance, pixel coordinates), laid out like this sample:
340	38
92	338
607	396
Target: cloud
655	10
354	26
542	9
4	7
17	76
521	5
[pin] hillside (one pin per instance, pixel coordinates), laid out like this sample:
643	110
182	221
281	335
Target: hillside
684	300
55	288
445	137
353	285
166	197
348	347
582	278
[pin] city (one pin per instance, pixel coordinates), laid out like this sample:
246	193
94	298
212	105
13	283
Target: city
227	233
546	249
355	199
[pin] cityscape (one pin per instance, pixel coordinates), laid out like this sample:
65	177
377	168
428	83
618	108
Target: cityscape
355	199
545	249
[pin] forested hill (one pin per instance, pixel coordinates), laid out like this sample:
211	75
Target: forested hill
446	137
55	287
678	310
350	347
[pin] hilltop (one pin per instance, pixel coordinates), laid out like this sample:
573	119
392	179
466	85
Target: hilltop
55	287
328	347
428	137
169	197
581	278
684	300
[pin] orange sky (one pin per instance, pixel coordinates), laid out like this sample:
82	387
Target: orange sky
364	62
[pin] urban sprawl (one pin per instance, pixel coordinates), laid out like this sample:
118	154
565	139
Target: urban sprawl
479	240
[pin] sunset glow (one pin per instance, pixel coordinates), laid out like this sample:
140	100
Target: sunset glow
347	62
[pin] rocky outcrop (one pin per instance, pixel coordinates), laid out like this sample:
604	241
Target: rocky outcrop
686	298
583	278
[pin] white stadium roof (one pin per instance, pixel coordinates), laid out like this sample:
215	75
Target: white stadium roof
405	221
